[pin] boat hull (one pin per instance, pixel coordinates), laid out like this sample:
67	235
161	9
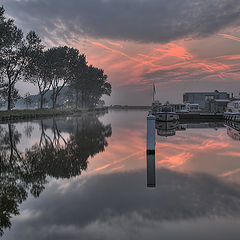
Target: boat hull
166	116
232	117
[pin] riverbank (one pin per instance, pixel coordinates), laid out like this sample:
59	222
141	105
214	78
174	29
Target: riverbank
28	114
127	107
201	117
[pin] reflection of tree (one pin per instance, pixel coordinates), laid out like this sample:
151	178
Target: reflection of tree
54	155
14	176
63	158
28	131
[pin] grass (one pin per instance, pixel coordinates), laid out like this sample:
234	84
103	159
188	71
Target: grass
39	113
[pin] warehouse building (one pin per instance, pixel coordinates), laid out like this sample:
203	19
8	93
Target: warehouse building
203	98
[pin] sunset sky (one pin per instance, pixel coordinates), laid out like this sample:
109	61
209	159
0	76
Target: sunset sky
181	45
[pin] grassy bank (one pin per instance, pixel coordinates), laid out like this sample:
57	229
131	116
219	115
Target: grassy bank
119	107
15	115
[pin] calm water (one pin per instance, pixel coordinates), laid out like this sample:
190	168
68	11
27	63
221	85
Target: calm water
86	178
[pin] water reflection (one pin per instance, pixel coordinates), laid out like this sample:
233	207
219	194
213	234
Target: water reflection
53	156
151	178
197	177
166	129
119	205
233	130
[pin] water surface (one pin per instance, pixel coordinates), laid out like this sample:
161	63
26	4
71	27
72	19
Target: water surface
85	177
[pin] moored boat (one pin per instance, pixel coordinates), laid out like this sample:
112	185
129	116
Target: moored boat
166	115
233	111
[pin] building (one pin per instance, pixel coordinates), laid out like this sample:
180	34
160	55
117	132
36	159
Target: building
203	98
217	105
184	107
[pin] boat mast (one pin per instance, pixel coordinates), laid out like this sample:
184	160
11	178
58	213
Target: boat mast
154	91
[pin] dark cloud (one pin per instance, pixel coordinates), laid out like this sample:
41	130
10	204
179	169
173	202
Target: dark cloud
139	20
66	210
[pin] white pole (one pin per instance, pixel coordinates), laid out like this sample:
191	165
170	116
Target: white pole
151	179
151	133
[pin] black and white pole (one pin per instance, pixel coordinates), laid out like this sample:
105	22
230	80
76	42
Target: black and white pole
151	178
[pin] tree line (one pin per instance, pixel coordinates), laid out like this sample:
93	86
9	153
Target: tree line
26	58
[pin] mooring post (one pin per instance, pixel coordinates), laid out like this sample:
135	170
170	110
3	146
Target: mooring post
151	178
151	133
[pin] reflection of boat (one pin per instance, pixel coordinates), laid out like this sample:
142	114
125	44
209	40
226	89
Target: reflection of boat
166	129
166	125
233	130
233	111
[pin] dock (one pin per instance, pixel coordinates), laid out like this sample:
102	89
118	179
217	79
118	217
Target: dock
200	116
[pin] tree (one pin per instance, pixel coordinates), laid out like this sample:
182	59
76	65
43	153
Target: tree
62	62
15	53
77	82
39	72
95	86
90	83
27	99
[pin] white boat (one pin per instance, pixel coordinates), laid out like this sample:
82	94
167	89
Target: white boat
233	111
166	114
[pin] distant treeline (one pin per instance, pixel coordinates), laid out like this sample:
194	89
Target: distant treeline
25	58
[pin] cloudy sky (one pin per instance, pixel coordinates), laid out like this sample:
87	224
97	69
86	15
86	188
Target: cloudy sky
187	45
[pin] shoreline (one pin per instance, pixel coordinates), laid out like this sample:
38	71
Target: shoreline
127	107
31	114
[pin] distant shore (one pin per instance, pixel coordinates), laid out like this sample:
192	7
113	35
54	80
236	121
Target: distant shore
28	114
129	107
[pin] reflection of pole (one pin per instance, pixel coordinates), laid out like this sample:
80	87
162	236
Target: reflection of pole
151	179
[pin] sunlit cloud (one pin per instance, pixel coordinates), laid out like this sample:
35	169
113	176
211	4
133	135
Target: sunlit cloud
230	37
115	44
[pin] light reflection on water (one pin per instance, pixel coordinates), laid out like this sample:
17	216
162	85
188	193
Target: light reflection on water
88	177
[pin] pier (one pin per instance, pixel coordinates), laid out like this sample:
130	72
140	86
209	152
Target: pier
200	116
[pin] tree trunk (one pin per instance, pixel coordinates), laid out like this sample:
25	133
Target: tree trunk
9	98
41	101
54	103
76	100
53	98
82	100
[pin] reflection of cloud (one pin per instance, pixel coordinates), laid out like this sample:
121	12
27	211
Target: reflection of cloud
228	173
176	155
109	198
175	160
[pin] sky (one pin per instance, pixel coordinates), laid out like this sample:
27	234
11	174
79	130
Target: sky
181	46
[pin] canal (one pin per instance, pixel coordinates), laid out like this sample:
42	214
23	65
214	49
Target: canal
85	177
